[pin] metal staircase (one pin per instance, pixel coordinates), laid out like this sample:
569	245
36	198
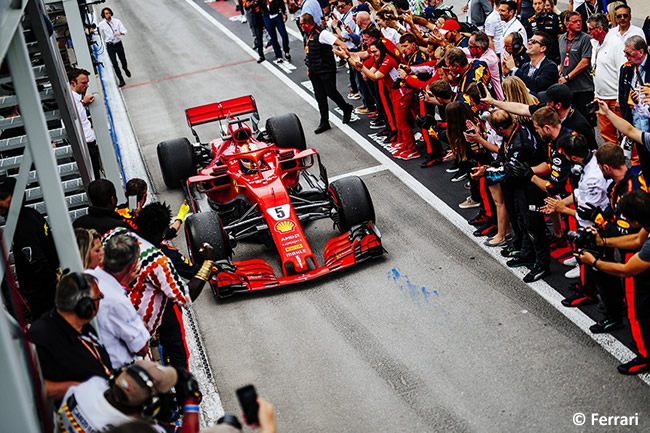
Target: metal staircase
42	146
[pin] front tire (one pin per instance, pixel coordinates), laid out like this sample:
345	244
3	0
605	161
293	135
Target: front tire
176	159
206	227
352	202
286	131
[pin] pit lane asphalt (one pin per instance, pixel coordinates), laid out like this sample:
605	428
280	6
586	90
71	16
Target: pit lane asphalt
436	336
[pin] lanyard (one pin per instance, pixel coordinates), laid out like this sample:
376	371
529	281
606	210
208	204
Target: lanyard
505	30
95	353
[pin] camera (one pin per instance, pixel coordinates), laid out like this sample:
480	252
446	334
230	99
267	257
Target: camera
591	107
582	239
425	122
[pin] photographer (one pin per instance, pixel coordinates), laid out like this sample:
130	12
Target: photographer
589	192
137	391
636	208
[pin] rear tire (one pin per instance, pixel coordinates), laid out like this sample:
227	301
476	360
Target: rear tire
286	131
176	159
206	227
353	202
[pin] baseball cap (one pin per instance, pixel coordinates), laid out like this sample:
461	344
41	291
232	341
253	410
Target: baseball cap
558	93
137	387
449	26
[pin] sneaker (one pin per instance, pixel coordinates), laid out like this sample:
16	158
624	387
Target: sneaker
605	326
453	169
571	261
378	125
354	96
127	72
261	59
479	219
518	262
536	273
469	203
467	185
399	145
279	60
636	366
373	116
244	20
573	273
384	132
430	161
287	56
511	252
363	111
579	299
459	176
408	154
486	229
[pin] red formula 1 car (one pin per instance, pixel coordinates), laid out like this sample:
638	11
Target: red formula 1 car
254	184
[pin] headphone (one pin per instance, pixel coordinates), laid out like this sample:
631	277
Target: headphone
85	306
517	41
151	406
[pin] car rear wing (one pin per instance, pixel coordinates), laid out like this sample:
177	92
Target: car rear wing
218	111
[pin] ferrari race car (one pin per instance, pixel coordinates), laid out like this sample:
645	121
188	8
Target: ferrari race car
256	185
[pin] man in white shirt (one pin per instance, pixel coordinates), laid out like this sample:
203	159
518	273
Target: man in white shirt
79	79
625	30
508	13
494	29
121	328
607	58
112	31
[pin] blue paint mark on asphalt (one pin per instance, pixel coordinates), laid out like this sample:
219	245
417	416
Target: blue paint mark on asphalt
405	285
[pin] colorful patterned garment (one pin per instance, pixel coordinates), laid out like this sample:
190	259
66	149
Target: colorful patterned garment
157	283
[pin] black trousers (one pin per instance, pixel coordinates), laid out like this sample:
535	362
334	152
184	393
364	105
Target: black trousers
325	87
96	160
580	101
171	338
529	227
609	287
114	51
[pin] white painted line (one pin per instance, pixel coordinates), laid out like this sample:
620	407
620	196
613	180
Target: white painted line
360	173
608	342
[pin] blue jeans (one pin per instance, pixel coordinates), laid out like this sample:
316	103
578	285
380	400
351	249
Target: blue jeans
276	23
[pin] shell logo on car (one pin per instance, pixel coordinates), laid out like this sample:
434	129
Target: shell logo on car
285	226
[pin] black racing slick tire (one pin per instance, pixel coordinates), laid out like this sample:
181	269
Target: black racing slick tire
206	227
286	131
176	159
352	201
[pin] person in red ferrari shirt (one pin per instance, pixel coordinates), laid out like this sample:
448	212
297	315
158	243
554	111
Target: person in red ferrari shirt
385	68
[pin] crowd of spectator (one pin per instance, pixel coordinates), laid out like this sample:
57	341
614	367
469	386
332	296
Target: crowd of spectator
133	290
539	112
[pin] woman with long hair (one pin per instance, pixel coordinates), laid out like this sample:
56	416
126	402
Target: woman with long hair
515	90
90	246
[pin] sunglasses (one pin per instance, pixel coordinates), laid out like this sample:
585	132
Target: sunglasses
627	53
534	41
99	298
623	16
